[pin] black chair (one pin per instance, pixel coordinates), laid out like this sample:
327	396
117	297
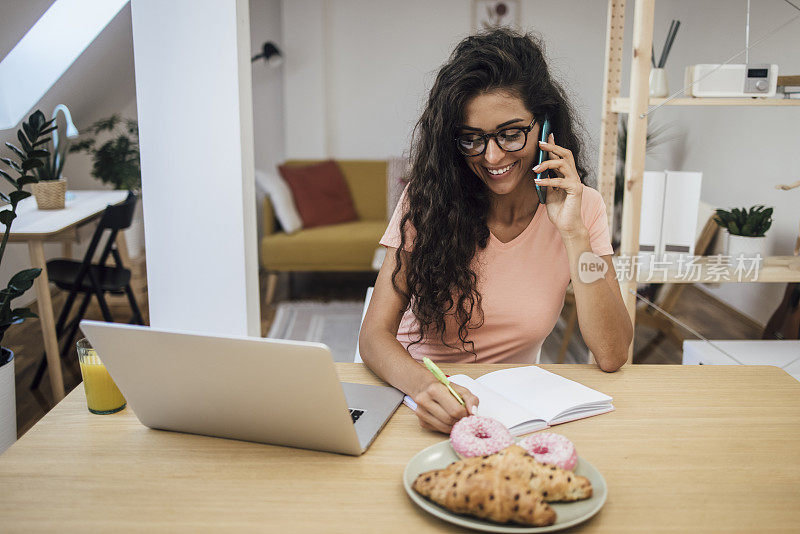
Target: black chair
93	279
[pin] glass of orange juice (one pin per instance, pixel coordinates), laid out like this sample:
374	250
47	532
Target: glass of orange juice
102	394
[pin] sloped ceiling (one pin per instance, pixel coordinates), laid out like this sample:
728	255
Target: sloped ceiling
99	82
18	17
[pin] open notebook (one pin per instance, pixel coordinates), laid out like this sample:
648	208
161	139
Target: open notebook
526	399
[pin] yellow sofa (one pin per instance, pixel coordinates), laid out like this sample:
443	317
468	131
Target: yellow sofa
346	246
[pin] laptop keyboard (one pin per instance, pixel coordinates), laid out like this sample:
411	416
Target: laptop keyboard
355	414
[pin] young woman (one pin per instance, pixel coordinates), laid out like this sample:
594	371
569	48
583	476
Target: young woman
476	268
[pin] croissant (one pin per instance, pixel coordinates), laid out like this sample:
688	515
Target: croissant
555	484
486	492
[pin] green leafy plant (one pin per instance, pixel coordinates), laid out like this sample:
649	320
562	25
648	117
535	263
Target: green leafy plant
749	223
53	163
28	157
116	161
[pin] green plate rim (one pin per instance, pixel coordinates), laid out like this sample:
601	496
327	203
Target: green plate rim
599	492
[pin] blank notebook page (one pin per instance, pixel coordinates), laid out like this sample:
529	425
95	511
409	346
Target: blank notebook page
545	394
494	405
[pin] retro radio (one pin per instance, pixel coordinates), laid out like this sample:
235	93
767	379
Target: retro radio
731	80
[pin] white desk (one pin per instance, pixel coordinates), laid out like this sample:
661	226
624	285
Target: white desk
784	354
35	226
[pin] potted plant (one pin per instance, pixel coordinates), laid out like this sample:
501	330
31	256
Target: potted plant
51	189
27	158
746	229
116	162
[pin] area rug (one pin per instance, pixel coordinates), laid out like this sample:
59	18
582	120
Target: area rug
335	324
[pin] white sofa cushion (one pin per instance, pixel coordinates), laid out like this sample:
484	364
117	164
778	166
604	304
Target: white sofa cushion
281	197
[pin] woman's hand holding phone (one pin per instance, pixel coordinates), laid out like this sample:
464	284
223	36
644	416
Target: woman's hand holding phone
438	410
564	197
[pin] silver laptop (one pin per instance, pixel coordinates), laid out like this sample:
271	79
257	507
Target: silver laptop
254	389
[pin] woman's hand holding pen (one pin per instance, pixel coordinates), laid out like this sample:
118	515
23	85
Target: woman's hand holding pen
438	409
564	196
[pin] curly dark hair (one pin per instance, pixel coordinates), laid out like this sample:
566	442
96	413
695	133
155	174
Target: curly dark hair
448	204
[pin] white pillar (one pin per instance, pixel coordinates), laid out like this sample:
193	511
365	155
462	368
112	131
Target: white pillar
194	99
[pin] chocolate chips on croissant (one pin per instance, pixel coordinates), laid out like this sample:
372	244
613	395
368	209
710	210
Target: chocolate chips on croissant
510	486
554	483
485	492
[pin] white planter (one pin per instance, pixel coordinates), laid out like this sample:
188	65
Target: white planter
8	402
745	247
658	83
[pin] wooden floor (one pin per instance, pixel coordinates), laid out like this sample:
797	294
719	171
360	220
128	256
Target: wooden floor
701	312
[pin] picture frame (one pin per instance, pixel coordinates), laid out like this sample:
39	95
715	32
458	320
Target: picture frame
490	14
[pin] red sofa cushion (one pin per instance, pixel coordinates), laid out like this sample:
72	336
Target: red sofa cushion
320	193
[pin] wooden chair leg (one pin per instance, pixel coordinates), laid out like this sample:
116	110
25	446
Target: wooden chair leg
64	315
568	332
272	281
76	323
37	378
71	338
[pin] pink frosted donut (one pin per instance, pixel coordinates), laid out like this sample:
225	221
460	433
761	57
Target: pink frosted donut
549	448
479	436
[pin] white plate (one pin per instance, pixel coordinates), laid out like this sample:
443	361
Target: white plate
569	514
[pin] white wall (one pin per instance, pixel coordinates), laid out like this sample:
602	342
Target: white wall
377	76
378	73
305	89
268	122
194	94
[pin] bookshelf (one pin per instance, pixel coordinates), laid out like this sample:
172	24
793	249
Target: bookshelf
622	104
775	269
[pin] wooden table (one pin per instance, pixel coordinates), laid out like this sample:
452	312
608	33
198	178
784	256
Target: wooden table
688	449
35	227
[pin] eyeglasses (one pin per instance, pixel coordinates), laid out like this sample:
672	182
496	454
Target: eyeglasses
509	139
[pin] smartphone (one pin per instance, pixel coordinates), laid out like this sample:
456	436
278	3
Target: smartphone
543	155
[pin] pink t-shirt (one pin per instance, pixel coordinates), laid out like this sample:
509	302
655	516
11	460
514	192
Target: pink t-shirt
522	282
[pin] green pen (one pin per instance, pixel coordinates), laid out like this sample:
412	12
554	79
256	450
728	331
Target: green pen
440	376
